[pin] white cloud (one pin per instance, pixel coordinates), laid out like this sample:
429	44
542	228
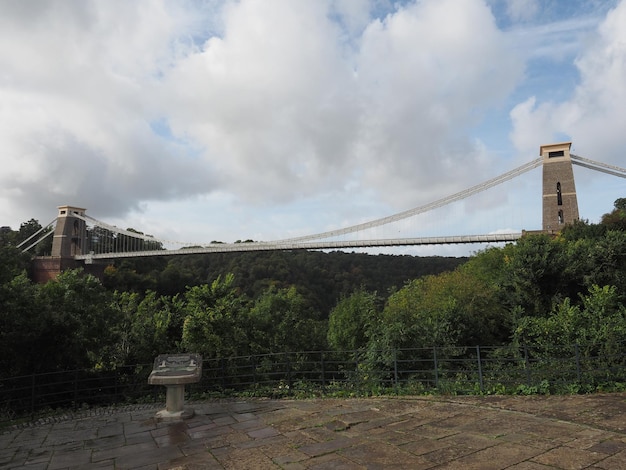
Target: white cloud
522	10
74	118
594	114
322	110
425	75
592	117
281	98
270	102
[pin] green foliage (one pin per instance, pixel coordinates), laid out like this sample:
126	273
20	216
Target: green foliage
281	320
352	321
137	275
456	308
616	220
12	260
81	321
583	230
13	263
214	321
414	318
597	327
321	278
13	238
543	388
23	325
151	325
605	262
532	280
67	323
569	289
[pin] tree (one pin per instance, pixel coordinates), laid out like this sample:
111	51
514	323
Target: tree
409	320
215	320
175	278
25	342
582	230
352	320
533	275
7	236
126	305
282	321
28	229
65	324
456	308
151	325
616	219
605	262
13	263
12	259
597	326
81	322
620	204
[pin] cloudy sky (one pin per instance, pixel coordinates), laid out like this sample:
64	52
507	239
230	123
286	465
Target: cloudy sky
207	120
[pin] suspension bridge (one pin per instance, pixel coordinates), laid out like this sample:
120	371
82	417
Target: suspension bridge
78	237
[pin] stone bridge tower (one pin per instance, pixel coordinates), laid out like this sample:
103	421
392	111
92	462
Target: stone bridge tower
69	240
70	232
560	206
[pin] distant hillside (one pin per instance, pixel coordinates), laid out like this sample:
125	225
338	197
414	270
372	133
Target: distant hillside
322	277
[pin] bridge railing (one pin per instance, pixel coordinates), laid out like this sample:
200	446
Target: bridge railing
458	370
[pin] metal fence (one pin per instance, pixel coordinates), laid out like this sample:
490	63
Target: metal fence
457	370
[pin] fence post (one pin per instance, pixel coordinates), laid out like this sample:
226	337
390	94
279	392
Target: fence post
223	370
32	396
323	375
527	366
288	370
578	373
480	369
436	367
75	389
254	384
395	367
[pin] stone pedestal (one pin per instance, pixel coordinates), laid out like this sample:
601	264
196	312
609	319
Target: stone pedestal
175	404
174	371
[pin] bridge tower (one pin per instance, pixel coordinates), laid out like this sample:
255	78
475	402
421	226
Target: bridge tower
69	240
69	233
560	206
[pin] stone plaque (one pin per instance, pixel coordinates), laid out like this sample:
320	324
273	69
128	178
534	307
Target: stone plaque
172	369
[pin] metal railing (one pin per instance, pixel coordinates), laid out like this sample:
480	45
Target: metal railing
458	370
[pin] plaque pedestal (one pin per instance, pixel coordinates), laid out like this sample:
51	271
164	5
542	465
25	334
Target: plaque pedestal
174	371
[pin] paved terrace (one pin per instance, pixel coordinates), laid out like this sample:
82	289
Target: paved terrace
494	432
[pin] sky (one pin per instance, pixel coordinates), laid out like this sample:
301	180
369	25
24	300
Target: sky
202	120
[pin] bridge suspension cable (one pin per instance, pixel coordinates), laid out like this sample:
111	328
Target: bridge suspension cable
133	235
425	208
299	242
598	166
45	235
154	245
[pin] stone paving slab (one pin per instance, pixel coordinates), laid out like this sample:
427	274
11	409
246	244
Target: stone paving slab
494	432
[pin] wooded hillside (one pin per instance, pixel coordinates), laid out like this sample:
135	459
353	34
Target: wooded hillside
542	290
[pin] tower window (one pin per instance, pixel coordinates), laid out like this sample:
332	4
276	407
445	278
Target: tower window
559	198
560	217
558	153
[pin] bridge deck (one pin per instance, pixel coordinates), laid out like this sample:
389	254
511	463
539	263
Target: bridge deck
312	245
